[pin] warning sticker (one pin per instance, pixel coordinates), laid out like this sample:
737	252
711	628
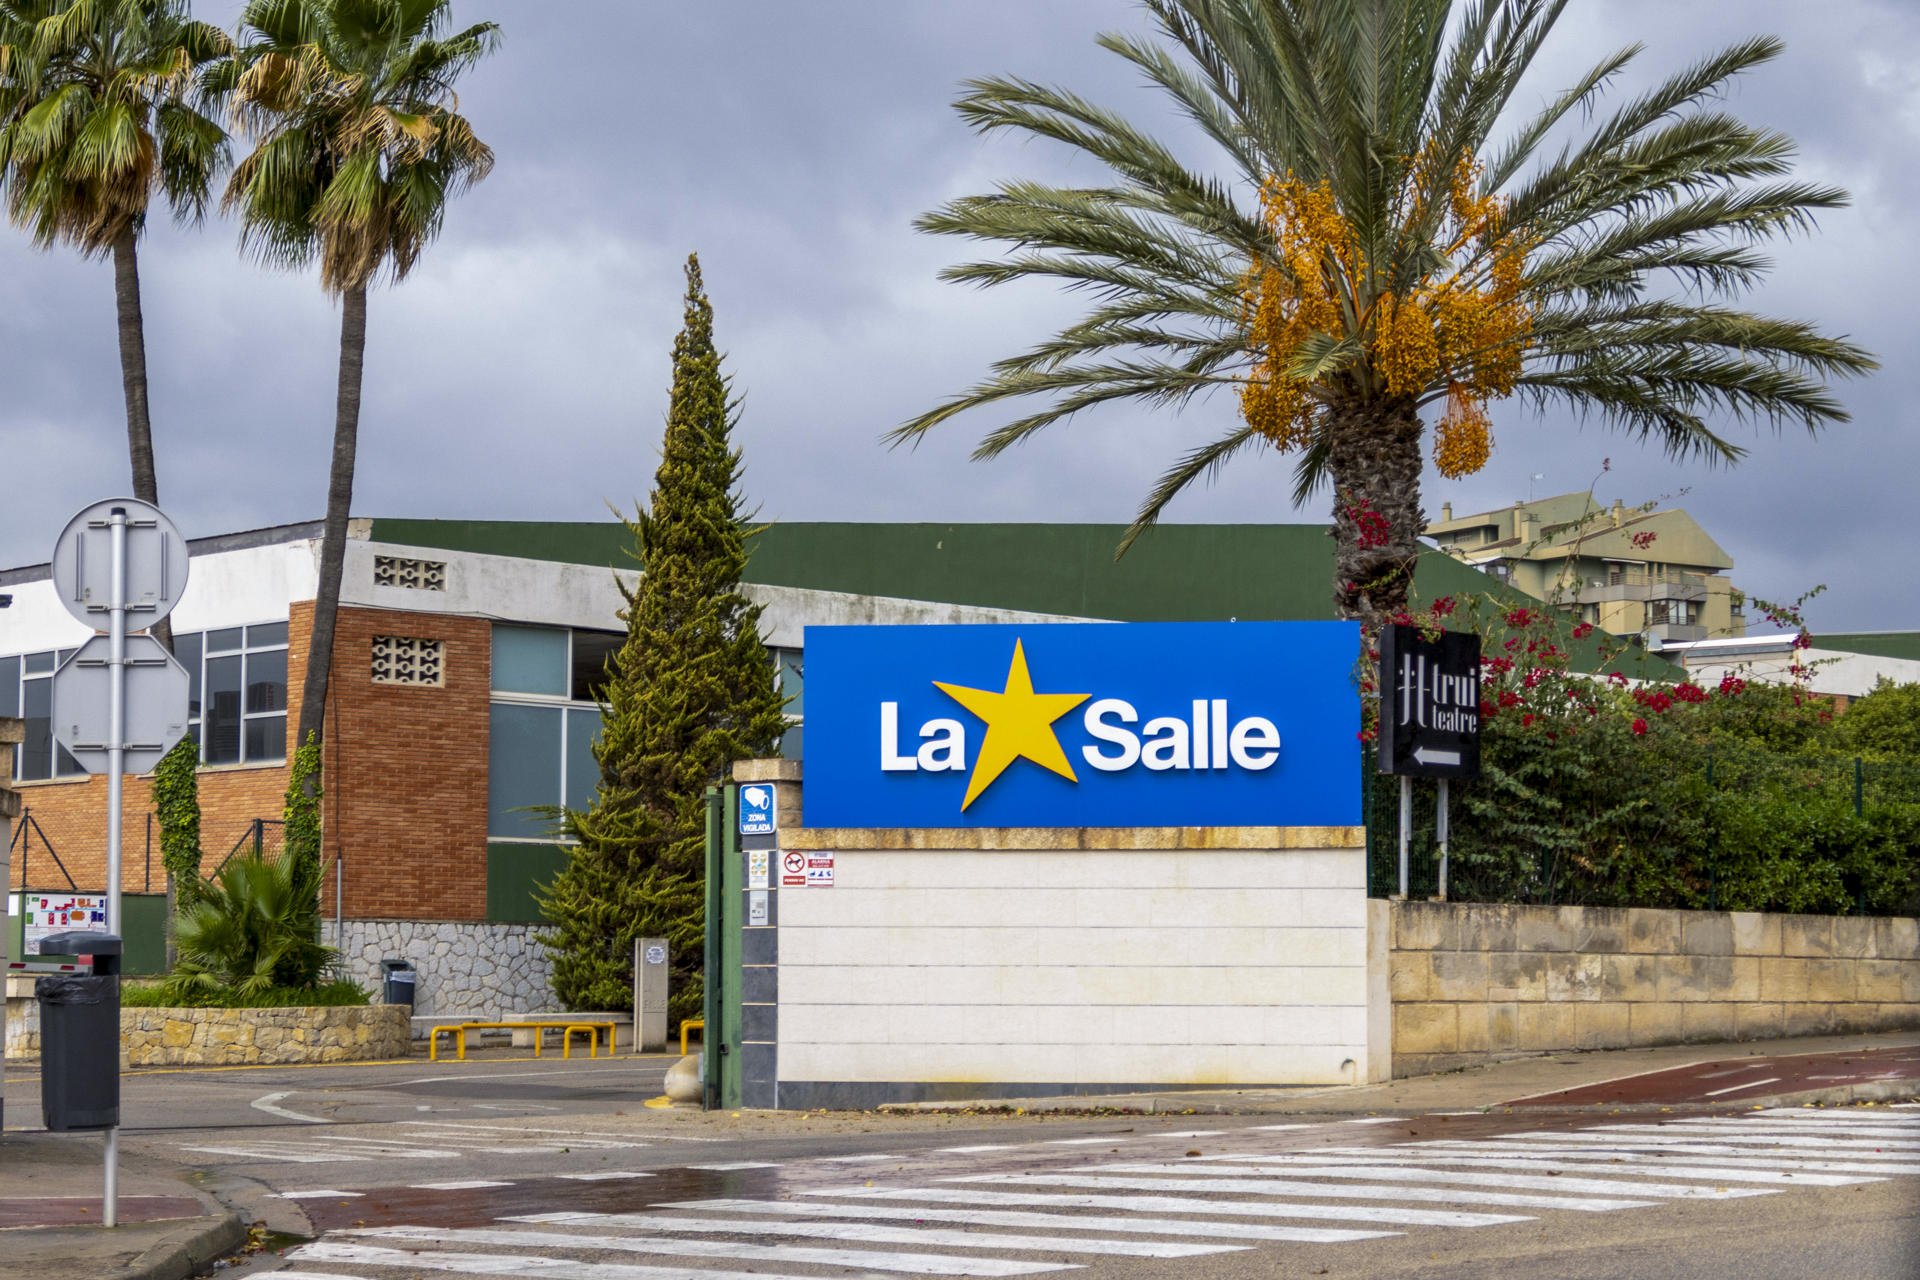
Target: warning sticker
793	868
820	871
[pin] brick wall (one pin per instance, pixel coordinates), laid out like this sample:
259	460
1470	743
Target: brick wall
1474	982
406	770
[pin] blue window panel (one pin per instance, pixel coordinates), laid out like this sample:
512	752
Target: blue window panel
266	633
221	714
530	660
792	680
267	681
583	771
9	687
523	769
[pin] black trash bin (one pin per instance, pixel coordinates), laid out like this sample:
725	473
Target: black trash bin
80	1034
397	977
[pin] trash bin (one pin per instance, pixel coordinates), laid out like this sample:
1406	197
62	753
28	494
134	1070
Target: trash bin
80	1034
397	977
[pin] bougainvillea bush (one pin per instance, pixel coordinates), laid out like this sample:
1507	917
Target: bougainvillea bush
1604	790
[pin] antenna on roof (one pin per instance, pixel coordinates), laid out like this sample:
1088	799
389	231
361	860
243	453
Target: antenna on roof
1532	480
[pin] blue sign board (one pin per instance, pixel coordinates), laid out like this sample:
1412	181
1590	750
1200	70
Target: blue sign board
758	809
1083	725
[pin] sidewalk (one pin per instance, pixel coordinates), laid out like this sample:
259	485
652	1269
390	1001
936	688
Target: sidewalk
50	1185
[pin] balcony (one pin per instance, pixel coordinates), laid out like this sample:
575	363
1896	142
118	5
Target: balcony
1645	585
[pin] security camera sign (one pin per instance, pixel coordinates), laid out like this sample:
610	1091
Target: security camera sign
758	810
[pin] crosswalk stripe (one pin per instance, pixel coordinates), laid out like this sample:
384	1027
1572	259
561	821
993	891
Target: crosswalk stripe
1045	1221
496	1264
1803	1129
1836	1117
1737	1157
1668	1138
1277	1183
1744	1133
989	1146
514	1130
869	1233
1673	1171
473	1184
608	1175
1079	1142
385	1148
733	1166
1392	1173
319	1195
926	1264
254	1153
1198	1204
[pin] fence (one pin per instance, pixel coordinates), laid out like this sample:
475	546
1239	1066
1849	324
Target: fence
60	851
1725	813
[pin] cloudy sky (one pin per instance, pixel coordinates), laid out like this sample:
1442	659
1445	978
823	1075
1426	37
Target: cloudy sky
521	372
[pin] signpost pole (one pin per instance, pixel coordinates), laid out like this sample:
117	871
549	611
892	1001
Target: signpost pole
1440	829
1406	827
116	759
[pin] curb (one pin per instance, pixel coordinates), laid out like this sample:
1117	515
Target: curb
184	1251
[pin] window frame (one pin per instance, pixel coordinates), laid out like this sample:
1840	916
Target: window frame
565	703
196	722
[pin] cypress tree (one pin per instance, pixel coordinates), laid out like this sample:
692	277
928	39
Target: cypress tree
689	692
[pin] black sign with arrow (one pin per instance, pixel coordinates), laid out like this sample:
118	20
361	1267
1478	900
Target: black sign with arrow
1429	703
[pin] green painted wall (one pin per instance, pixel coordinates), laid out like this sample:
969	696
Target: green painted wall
144	928
514	873
1879	644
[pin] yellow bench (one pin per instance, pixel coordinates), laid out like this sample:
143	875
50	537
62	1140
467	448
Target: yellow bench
566	1028
688	1025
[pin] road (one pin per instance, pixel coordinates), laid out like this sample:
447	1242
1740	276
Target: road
552	1169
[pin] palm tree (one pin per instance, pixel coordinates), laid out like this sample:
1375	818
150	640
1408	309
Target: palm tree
1385	236
359	144
97	113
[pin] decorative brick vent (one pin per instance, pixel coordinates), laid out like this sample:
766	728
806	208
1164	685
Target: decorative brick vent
410	661
414	575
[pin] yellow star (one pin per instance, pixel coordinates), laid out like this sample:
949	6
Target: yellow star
1019	723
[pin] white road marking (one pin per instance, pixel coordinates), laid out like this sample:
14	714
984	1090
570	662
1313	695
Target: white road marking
267	1103
472	1184
1273	1185
1274	1128
1733	1157
255	1153
1082	1142
448	1129
497	1264
514	1106
1736	1088
859	1159
927	1264
1888	1128
1392	1173
990	1146
1046	1221
1672	1171
732	1165
869	1233
319	1195
608	1176
1187	1133
1194	1204
1658	1136
1374	1120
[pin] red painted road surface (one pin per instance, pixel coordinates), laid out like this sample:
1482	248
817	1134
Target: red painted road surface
1735	1080
68	1211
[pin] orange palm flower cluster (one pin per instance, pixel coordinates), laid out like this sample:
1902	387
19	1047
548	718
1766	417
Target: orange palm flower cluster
1465	325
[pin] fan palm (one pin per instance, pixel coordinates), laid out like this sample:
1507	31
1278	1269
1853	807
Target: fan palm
1386	238
254	926
358	145
97	114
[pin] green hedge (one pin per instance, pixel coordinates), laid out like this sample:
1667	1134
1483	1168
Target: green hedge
151	995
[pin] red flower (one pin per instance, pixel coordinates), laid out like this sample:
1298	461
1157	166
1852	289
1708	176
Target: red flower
1617	679
1582	631
1487	709
1520	618
1443	606
1640	728
1732	685
1689	692
1660	702
1526	719
1534	677
1508	698
1497	666
1512	644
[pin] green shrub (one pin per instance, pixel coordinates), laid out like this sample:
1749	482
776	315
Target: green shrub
251	930
158	995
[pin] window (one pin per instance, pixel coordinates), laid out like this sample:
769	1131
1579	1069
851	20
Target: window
236	699
26	691
547	682
237	692
414	575
409	660
789	677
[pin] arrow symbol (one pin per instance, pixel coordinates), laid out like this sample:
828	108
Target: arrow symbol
1424	755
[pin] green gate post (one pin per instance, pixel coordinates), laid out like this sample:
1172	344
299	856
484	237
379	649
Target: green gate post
710	966
720	1038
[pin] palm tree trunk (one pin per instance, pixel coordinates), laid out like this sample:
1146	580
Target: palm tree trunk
1375	464
333	542
133	381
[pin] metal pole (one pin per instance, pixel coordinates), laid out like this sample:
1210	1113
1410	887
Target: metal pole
1440	829
339	899
116	763
1406	828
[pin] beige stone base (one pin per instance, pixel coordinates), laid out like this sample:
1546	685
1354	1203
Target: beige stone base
244	1037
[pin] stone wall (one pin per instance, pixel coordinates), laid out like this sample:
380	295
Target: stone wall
163	1037
1474	982
464	968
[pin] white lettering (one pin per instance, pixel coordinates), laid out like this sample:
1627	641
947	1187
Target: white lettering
1097	727
1166	744
891	761
1219	733
1200	735
1255	743
945	748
